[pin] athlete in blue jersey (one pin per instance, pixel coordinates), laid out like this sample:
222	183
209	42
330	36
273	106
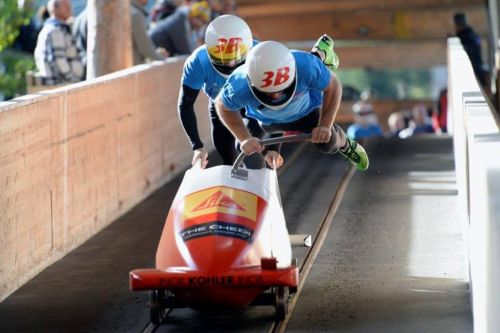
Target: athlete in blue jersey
286	91
227	42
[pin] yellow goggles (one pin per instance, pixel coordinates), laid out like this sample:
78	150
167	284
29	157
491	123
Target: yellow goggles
228	52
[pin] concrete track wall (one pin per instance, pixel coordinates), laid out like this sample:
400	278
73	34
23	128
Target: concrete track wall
74	159
476	134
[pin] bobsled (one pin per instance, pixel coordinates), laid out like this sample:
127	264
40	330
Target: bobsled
224	245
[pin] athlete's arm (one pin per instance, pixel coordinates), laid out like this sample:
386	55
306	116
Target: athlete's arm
185	108
331	102
234	122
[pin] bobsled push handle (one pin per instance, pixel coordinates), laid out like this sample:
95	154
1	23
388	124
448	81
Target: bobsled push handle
236	172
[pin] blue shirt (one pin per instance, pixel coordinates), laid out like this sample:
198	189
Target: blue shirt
357	132
199	73
312	78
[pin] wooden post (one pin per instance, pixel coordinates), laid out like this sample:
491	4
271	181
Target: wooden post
109	43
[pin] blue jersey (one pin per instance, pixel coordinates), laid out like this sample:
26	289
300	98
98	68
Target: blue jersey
312	78
199	73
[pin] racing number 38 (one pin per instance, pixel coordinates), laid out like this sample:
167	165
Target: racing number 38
277	78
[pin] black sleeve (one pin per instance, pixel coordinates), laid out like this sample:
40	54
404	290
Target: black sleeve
187	97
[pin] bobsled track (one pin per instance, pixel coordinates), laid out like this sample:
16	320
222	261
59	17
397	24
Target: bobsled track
387	255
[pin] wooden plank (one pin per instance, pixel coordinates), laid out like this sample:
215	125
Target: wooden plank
393	55
254	8
374	25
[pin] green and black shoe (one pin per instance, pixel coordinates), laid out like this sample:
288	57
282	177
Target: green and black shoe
354	153
323	49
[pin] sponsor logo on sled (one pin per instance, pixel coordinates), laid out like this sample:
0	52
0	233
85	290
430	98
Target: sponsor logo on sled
221	199
210	280
217	228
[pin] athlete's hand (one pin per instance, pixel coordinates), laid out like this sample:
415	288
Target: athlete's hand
274	159
201	156
251	145
321	134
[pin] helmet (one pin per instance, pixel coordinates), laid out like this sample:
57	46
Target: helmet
228	40
200	10
271	69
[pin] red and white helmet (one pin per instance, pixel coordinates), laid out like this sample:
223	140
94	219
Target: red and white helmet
228	39
271	69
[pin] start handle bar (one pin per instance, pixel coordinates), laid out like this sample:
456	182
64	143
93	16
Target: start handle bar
236	172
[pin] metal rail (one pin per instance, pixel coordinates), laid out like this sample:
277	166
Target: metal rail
237	172
305	267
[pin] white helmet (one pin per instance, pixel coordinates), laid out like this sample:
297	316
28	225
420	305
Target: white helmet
228	40
270	69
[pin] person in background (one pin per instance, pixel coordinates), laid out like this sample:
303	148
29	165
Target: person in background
56	56
42	14
365	121
230	7
163	9
28	33
396	123
420	122
440	118
179	33
79	31
143	47
472	46
222	7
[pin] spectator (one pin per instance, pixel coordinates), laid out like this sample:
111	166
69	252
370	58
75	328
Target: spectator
26	40
79	31
230	7
56	55
216	8
419	124
163	9
397	124
365	121
472	46
143	47
179	33
440	118
42	14
421	120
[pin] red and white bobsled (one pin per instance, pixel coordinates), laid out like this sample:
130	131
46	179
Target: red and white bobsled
225	243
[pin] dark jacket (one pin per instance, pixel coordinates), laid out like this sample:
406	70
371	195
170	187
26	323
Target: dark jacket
171	33
472	46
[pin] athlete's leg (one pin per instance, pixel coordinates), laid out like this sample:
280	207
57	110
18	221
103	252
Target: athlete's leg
339	142
323	49
306	125
222	138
